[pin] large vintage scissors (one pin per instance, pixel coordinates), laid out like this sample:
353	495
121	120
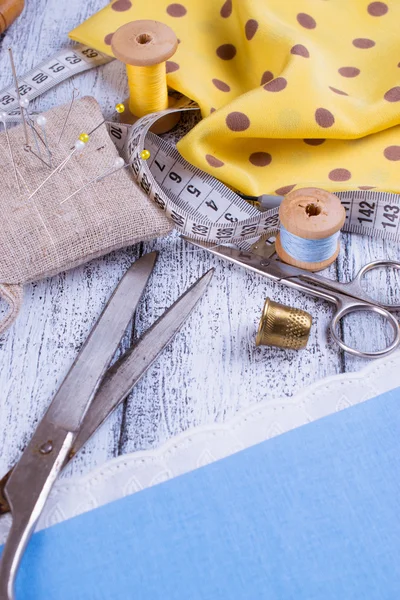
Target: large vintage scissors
85	399
348	297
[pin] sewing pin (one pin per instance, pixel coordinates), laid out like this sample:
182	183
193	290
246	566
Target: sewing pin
35	133
75	90
119	109
119	163
145	154
78	147
41	122
3	118
23	102
35	136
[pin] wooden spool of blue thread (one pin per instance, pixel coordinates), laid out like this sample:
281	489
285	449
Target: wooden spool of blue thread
311	220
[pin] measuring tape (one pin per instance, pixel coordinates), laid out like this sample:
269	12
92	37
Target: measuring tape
49	73
203	208
199	205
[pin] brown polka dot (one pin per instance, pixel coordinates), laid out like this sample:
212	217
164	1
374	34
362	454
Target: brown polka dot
251	28
339	175
363	43
398	65
108	38
392	152
393	95
276	85
221	85
121	5
338	91
349	71
237	121
260	159
226	51
226	9
314	141
214	162
285	189
366	187
212	109
266	76
324	117
377	9
176	10
171	66
300	50
306	21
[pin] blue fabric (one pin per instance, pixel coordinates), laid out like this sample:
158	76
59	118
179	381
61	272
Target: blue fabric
312	514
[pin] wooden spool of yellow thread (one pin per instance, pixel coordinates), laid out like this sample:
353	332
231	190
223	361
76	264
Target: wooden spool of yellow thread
313	216
144	46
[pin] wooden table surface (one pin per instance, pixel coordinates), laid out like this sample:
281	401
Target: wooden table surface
212	369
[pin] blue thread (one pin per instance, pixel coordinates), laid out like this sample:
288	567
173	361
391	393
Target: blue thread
308	250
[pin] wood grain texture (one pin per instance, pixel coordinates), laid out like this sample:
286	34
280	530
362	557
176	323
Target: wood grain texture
212	368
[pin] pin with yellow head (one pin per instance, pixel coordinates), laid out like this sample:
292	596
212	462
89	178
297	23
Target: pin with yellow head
145	154
82	141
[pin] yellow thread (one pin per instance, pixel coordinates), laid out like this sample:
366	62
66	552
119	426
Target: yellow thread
147	89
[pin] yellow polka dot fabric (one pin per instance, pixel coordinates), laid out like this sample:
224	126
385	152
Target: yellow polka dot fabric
293	93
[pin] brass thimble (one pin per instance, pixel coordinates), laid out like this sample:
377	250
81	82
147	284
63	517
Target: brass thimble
283	326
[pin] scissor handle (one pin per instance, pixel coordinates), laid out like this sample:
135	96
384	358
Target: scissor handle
376	264
354	307
26	490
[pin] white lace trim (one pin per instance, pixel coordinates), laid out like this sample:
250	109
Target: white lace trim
131	473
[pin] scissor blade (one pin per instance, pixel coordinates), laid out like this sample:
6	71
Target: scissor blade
30	481
72	399
80	385
126	372
267	266
236	255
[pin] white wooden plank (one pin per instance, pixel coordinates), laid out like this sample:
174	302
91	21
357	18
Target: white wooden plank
368	331
57	313
212	368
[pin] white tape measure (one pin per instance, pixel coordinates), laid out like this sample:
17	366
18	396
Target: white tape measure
50	72
203	208
199	205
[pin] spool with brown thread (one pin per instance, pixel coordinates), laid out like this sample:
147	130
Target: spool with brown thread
9	11
315	216
144	47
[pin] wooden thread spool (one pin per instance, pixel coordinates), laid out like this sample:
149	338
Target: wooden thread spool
144	46
9	11
315	217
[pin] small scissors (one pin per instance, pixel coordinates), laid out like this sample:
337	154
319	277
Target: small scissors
348	297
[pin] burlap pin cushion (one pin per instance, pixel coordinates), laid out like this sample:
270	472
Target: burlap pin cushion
43	236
